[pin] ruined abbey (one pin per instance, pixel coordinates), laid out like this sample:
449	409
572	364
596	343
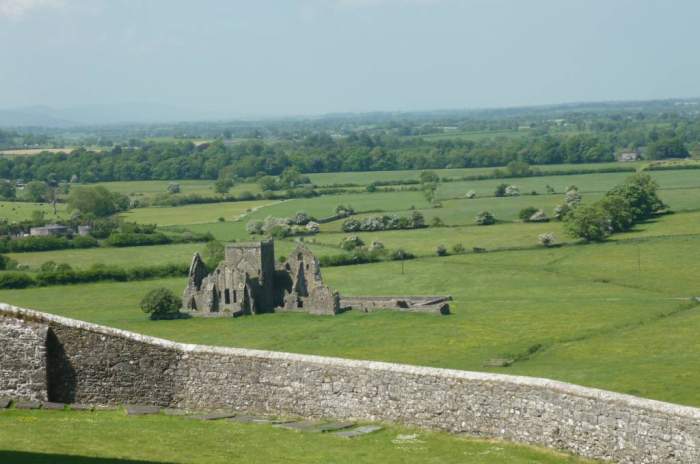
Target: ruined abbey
250	281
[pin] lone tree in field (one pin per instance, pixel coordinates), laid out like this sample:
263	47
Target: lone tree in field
485	218
161	303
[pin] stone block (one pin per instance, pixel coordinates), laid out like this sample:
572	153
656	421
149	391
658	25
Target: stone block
214	416
53	406
302	426
359	431
28	405
81	407
175	412
141	410
5	403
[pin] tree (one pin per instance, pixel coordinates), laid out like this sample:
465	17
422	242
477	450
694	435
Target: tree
589	222
36	191
518	169
52	193
485	218
213	253
97	201
7	190
161	303
526	213
501	190
640	192
619	211
223	185
441	250
173	187
666	148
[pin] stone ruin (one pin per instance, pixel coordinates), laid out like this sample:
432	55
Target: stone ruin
250	281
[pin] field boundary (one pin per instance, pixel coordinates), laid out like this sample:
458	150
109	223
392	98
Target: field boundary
60	359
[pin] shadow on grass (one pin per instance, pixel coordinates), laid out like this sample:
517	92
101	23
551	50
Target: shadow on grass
22	457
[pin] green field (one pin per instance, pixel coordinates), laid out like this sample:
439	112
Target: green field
193	214
366	178
99	438
15	211
615	315
150	188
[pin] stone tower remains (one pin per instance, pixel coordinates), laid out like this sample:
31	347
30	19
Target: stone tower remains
247	281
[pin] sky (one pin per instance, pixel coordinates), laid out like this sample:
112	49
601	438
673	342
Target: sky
300	57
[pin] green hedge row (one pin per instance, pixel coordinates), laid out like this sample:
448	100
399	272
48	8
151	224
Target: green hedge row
96	273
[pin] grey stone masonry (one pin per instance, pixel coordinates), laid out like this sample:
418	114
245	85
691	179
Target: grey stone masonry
101	365
23	359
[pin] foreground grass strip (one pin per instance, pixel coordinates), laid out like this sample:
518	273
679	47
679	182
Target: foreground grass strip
102	437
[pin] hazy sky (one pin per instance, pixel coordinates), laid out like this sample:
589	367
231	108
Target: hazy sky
271	57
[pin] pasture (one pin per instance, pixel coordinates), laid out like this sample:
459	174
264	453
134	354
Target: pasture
30	437
597	315
151	188
555	312
15	211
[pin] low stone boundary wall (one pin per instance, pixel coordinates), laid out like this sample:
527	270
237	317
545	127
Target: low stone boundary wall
80	362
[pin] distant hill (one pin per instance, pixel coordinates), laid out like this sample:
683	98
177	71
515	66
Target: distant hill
95	115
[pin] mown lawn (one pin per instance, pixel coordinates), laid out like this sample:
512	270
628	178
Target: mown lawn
111	437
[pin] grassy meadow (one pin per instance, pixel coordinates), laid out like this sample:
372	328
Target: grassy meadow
616	315
30	437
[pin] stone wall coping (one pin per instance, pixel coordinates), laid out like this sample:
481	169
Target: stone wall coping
596	394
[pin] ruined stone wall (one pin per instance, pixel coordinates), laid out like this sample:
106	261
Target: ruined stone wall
119	367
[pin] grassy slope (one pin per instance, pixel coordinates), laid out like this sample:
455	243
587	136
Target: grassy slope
16	211
99	438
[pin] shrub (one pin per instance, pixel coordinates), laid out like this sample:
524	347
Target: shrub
538	216
121	239
526	213
417	220
458	248
376	246
512	191
301	218
351	242
85	242
160	303
254	227
501	190
546	239
16	280
437	222
173	188
441	250
313	227
485	218
400	254
221	219
470	194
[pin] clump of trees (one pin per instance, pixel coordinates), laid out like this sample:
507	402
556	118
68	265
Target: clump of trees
300	224
96	201
634	200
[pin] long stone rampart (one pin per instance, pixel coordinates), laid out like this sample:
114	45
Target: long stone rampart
49	357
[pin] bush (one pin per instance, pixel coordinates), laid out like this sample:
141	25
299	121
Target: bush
400	254
121	239
312	227
441	250
437	222
546	239
16	280
485	218
301	218
160	303
470	194
85	242
254	227
173	188
501	190
512	191
526	213
351	242
458	248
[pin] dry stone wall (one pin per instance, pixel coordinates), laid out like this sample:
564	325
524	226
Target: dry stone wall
110	366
